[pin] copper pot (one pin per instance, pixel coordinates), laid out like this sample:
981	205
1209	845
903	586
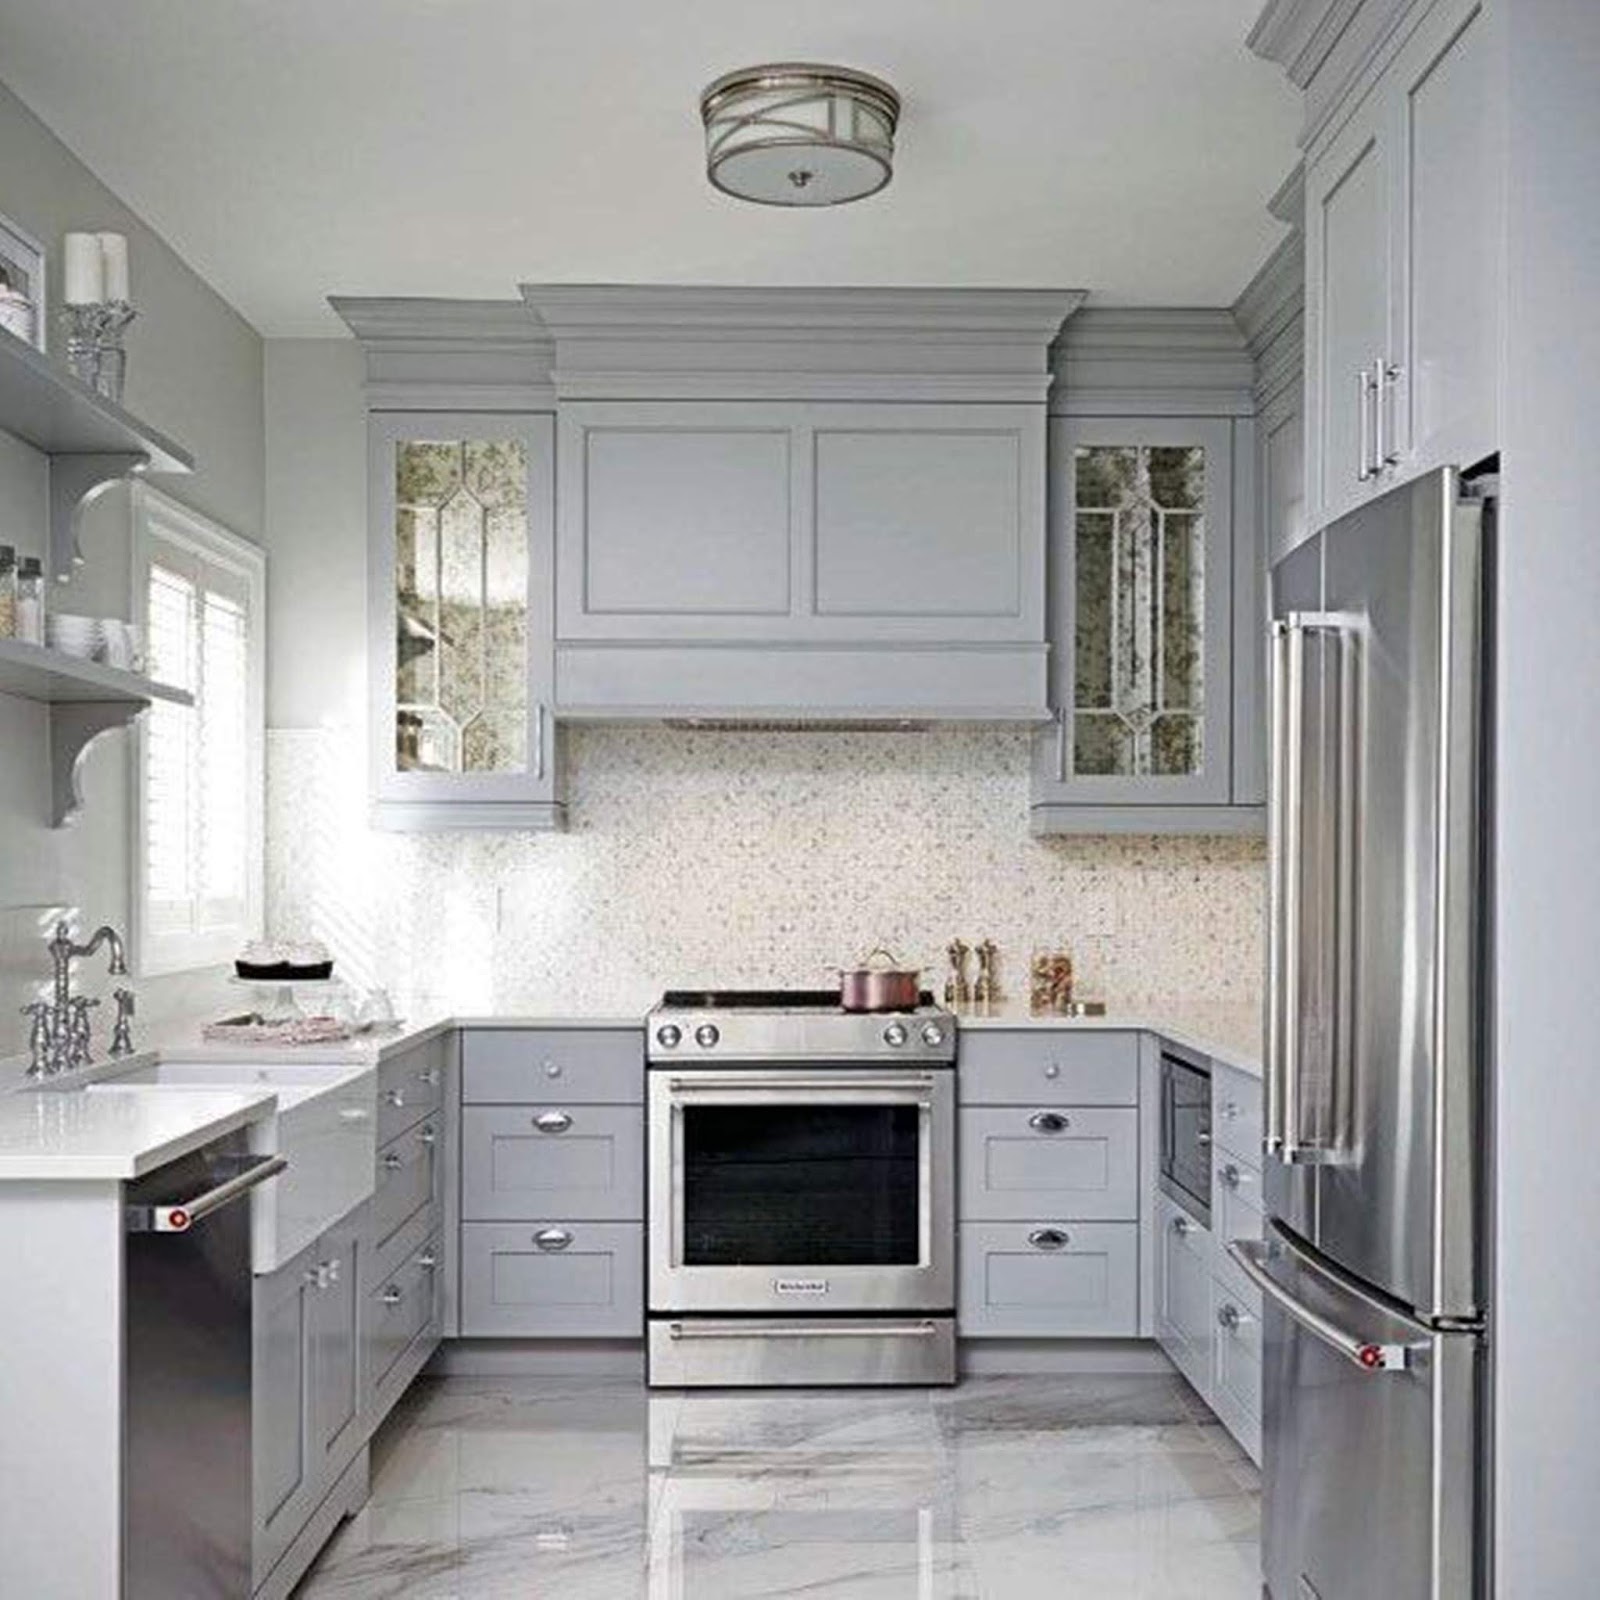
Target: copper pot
886	987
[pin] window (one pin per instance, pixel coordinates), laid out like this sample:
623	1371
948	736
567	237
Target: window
199	594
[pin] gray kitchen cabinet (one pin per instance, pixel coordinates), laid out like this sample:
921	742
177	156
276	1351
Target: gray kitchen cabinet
401	1324
553	1278
1184	1313
1058	1160
461	612
1153	690
408	1182
802	558
1029	1066
1048	1278
411	1087
566	1160
579	1066
307	1418
1235	1389
1402	288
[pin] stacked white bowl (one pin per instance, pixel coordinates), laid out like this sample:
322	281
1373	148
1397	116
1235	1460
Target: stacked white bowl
73	636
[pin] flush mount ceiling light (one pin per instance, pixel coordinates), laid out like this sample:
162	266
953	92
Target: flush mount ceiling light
799	134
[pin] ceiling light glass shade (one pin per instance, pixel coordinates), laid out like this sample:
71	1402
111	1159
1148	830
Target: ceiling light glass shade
799	134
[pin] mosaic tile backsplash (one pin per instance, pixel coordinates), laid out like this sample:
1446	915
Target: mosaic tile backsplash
737	858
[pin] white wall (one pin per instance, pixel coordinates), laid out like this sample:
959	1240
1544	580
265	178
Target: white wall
195	372
1547	1183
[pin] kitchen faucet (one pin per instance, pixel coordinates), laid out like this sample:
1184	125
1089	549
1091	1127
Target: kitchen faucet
60	1038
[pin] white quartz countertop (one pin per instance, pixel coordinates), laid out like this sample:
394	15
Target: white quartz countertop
117	1132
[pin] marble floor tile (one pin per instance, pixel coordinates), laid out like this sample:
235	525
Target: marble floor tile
1116	1488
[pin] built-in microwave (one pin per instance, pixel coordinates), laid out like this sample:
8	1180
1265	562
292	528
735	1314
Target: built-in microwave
1186	1132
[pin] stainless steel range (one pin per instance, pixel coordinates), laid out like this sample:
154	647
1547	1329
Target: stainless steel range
802	1191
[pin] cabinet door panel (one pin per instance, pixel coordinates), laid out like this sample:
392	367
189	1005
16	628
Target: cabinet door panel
589	1286
1087	1168
921	522
1347	304
1142	590
335	1355
1183	1292
283	1456
1236	1364
1049	1279
569	1161
461	632
1445	403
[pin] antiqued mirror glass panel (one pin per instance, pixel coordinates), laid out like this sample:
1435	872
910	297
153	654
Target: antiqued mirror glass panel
461	605
1139	649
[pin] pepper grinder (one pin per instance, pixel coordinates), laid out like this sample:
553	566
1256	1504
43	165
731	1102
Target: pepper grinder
987	989
957	992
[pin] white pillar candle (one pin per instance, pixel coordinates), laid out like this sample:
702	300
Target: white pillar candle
114	265
82	270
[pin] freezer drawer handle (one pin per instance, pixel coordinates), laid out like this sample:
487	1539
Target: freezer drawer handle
183	1216
801	1330
1251	1255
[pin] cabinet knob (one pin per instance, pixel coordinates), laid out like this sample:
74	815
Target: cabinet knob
1048	1239
392	1162
429	1076
552	1238
333	1270
395	1098
1182	1226
393	1295
1048	1122
1230	1176
428	1137
1052	1071
1230	1110
428	1261
552	1069
552	1122
1228	1316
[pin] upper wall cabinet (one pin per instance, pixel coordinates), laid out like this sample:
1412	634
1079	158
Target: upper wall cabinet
849	558
801	503
1402	284
462	598
1143	572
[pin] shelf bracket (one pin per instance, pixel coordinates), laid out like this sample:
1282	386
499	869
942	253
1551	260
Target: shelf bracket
75	726
75	482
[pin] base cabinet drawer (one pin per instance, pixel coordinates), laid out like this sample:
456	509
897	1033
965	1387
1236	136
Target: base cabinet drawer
1054	1161
556	1160
1000	1067
1236	1113
582	1066
1235	1213
411	1087
409	1177
401	1326
553	1279
1236	1364
1049	1279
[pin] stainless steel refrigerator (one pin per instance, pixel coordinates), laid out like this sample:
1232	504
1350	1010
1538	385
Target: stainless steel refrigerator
1372	1268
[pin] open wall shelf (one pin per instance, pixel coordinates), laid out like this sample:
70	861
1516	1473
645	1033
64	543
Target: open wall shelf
92	442
85	699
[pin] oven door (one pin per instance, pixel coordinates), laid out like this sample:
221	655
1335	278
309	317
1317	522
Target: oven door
802	1190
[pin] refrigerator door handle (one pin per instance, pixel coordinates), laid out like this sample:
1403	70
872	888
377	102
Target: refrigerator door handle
1283	850
1252	1255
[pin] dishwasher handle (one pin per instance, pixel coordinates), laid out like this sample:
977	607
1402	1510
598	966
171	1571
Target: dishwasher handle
251	1172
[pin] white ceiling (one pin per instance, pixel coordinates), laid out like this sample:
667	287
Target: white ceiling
290	149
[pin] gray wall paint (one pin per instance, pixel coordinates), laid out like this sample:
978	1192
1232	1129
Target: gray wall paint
1547	1290
316	520
194	371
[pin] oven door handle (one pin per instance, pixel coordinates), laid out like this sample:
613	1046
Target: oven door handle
770	1081
756	1328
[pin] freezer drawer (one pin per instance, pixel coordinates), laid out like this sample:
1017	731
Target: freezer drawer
1370	1428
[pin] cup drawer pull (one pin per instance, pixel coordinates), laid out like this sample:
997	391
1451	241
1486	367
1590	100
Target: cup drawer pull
1048	1122
552	1238
1049	1239
552	1122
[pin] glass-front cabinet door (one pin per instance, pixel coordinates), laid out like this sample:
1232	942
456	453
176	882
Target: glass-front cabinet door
461	621
1141	593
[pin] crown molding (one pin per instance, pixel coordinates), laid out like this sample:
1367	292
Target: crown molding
451	355
621	341
1140	360
1288	203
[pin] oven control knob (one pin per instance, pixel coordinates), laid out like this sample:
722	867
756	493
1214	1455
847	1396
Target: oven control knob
895	1034
933	1035
669	1036
706	1035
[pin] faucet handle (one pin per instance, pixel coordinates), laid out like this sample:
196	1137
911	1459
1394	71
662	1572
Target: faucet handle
122	1031
38	1012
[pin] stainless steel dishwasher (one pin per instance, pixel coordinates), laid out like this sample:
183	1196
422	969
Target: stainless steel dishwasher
186	1351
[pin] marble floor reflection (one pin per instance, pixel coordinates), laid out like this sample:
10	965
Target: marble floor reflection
1002	1489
